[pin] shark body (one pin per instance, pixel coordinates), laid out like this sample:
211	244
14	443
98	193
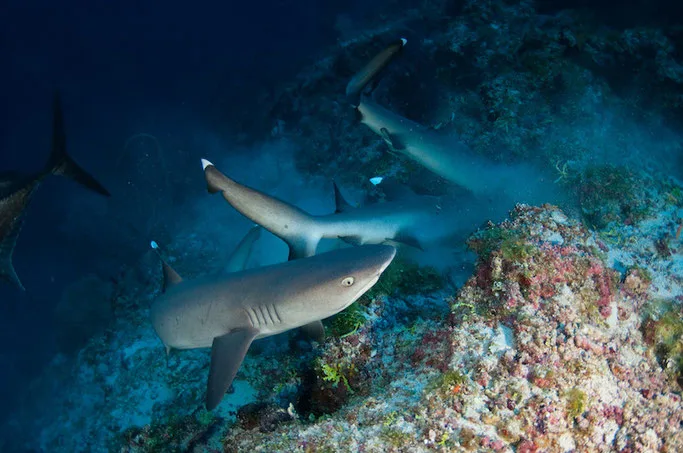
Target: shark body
387	222
16	193
228	312
445	156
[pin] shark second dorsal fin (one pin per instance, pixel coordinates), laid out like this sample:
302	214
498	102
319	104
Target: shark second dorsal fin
227	354
340	203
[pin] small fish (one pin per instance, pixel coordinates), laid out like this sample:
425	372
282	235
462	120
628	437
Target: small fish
376	180
17	192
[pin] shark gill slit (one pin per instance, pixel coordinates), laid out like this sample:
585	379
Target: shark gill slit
277	315
266	314
259	316
252	317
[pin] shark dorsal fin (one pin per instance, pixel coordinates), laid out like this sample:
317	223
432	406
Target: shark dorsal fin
171	277
340	203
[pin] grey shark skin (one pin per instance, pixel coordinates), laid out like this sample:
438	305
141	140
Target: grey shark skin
447	157
227	313
302	231
17	192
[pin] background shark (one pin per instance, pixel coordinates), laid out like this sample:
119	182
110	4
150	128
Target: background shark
228	312
446	156
17	192
397	222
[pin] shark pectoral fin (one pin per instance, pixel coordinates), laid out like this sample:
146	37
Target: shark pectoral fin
303	248
240	256
353	240
394	143
227	354
340	203
406	239
314	330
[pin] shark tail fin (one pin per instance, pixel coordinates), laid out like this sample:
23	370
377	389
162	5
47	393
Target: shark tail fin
227	354
8	274
60	163
369	74
215	180
340	203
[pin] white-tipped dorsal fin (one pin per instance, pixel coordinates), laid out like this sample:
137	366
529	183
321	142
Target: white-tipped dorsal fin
206	163
171	277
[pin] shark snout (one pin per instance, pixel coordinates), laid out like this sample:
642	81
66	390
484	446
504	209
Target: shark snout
386	256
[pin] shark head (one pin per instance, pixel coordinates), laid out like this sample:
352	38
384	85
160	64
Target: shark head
335	280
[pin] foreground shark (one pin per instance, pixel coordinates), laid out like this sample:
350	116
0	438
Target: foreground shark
16	192
227	313
302	231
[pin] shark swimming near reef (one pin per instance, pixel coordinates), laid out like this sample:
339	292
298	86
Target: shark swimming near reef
380	223
228	312
445	156
16	192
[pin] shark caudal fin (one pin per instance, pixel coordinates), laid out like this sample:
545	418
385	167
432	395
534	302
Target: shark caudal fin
369	74
296	227
60	163
8	274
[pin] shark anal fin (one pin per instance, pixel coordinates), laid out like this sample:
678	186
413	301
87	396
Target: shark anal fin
171	277
314	330
227	354
394	143
406	239
353	240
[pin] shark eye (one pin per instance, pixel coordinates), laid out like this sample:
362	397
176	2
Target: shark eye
348	281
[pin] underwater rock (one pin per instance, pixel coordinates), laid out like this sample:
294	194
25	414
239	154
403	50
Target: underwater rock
264	416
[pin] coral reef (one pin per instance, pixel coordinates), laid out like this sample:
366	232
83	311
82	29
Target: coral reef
568	334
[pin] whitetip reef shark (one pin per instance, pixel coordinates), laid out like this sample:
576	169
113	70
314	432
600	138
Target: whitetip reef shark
376	224
445	156
228	312
16	192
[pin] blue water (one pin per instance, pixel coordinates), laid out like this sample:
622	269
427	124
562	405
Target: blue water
190	75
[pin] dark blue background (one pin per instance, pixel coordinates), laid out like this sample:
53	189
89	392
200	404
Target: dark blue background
122	67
